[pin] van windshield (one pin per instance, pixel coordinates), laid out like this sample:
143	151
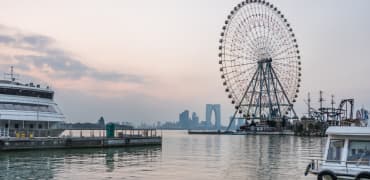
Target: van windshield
359	152
335	150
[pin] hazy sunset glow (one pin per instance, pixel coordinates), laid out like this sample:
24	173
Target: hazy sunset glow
146	61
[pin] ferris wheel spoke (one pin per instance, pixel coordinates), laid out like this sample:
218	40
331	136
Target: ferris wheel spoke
238	65
237	55
242	18
251	46
283	43
234	58
240	42
285	53
285	58
272	26
280	48
251	26
265	24
284	64
226	48
281	37
242	73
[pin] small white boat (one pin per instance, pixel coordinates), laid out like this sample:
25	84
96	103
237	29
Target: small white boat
347	155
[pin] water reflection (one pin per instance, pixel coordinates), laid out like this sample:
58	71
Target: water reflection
182	156
71	163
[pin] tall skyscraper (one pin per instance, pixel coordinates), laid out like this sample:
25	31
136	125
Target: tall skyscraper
195	120
184	119
216	108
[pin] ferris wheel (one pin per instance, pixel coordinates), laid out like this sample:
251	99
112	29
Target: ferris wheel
260	61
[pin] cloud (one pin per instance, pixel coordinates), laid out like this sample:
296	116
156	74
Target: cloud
6	39
42	53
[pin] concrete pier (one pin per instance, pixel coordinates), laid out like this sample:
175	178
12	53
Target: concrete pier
7	144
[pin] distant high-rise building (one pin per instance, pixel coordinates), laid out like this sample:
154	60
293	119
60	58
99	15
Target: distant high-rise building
195	120
216	108
184	120
101	122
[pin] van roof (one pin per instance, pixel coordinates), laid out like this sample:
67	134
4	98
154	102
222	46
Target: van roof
348	131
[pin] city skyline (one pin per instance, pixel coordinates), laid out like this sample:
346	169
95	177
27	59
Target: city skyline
105	59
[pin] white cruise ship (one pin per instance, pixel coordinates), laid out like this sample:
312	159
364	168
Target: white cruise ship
28	110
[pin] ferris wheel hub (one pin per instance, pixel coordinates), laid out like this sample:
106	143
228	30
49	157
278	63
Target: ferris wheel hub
267	60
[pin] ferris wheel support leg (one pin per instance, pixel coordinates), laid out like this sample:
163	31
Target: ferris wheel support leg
253	91
258	101
241	101
267	83
290	104
274	84
261	88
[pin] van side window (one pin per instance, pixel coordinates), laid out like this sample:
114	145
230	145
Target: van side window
359	152
335	151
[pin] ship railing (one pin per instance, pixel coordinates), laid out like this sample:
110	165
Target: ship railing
121	133
346	167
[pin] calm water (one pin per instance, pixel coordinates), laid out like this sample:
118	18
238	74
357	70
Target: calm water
181	156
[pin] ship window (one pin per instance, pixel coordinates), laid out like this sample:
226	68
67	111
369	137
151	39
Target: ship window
51	109
43	109
24	92
31	126
9	106
18	107
359	153
335	150
16	126
6	125
40	126
27	107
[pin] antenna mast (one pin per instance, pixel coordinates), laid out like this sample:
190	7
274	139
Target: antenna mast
321	110
11	74
309	105
332	102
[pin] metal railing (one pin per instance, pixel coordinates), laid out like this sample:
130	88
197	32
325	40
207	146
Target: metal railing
117	133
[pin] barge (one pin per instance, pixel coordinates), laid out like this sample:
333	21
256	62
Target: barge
112	138
10	144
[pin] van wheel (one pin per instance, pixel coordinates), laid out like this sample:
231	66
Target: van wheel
326	175
363	175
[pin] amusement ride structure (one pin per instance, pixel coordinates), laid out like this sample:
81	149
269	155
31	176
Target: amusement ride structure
260	62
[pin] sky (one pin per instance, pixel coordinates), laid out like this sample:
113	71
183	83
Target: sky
147	61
